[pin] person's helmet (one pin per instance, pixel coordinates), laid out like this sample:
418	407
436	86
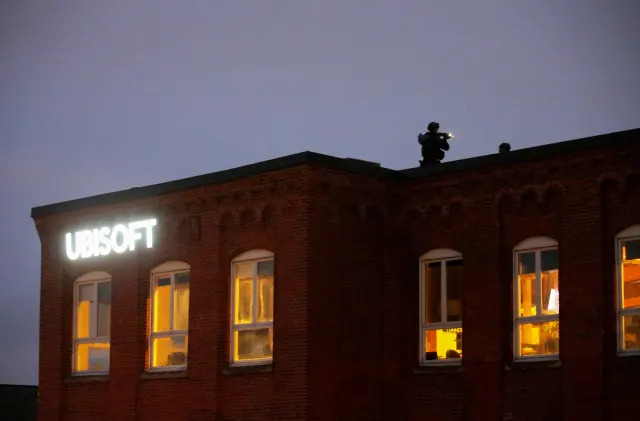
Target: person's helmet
433	126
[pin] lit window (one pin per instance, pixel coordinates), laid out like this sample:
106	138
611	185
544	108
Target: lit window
441	306
169	316
628	252
92	323
252	308
537	299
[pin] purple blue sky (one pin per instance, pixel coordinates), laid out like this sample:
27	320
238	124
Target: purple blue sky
107	95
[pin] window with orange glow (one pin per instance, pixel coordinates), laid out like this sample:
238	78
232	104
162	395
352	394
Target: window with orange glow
537	299
92	324
169	321
252	293
628	245
441	307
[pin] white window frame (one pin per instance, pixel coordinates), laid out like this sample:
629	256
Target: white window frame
443	256
537	245
94	278
629	234
254	256
169	269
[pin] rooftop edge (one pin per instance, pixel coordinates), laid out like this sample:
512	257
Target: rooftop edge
345	164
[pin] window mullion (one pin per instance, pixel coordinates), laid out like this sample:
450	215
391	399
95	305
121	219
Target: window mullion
443	292
538	283
171	303
621	276
93	312
517	288
152	318
254	307
232	297
422	311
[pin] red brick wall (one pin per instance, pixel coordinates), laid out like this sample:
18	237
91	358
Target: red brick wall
267	211
346	314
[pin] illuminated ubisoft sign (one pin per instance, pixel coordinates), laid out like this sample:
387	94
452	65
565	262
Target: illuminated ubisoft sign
102	241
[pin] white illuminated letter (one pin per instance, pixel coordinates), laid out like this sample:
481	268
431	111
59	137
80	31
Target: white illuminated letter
71	253
105	243
84	238
119	248
94	242
102	241
133	234
149	224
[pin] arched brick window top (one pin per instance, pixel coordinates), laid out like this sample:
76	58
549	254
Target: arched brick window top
632	231
171	266
438	254
94	276
533	243
253	255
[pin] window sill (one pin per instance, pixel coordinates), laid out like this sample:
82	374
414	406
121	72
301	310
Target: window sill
453	367
628	354
231	370
524	365
165	374
87	378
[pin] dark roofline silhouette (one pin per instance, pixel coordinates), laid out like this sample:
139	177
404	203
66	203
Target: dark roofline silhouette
345	164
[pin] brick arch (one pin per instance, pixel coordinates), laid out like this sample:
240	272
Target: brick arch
374	213
632	185
553	194
247	216
529	200
609	185
226	221
268	214
506	201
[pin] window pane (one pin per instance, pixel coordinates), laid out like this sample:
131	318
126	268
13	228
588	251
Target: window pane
181	301
527	284
631	249
631	273
162	305
454	290
265	291
253	344
432	292
631	332
527	263
83	312
104	308
170	351
244	293
443	344
539	338
549	260
92	357
550	292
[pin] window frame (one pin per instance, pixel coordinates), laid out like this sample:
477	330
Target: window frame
253	256
537	245
441	255
169	269
91	278
630	234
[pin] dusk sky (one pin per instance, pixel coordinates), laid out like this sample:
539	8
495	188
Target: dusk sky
97	96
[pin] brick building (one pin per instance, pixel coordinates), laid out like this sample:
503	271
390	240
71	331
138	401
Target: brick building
315	287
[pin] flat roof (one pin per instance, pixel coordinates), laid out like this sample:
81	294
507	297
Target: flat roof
345	164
